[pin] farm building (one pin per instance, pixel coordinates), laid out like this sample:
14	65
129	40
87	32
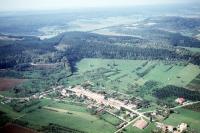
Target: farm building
182	127
180	100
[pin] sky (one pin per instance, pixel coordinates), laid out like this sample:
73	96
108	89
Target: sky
18	5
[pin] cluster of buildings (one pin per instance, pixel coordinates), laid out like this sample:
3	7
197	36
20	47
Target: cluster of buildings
171	129
100	98
101	102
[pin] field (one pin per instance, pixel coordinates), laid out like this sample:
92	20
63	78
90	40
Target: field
195	84
31	80
13	128
190	117
67	115
8	83
131	129
123	75
194	50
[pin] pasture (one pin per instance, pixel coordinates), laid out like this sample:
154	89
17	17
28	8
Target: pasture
131	129
127	75
67	115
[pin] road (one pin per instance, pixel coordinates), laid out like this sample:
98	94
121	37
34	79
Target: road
136	112
119	130
180	106
116	116
186	104
27	98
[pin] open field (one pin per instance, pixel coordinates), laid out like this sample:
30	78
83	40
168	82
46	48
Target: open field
124	74
8	83
131	129
187	116
63	114
9	111
194	50
67	115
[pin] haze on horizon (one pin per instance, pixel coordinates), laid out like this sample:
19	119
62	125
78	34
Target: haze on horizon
20	5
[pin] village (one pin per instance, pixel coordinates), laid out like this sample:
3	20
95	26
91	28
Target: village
128	111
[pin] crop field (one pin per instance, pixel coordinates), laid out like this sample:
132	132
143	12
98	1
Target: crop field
8	83
187	116
11	128
123	75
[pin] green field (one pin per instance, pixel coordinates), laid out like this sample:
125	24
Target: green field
194	50
77	114
8	110
187	116
131	129
122	74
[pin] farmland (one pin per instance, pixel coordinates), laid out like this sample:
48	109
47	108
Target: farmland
123	70
75	114
121	78
194	84
6	83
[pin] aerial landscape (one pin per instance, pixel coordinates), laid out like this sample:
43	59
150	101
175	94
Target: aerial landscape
100	66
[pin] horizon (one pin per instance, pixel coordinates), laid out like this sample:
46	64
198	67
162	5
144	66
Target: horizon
48	5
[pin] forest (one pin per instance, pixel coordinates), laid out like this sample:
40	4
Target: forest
79	45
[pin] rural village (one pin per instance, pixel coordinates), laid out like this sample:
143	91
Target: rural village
128	111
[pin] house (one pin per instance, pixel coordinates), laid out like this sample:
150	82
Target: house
180	100
141	124
63	92
168	128
164	127
182	127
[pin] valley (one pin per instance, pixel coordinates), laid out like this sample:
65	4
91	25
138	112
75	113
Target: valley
124	71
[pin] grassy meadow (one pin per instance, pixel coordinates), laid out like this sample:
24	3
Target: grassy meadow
123	74
75	114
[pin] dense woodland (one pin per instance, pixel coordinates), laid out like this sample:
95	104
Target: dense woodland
78	45
170	91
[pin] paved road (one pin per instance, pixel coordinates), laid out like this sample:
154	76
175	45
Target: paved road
136	112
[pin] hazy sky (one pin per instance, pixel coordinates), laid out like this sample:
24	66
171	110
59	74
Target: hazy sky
12	5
